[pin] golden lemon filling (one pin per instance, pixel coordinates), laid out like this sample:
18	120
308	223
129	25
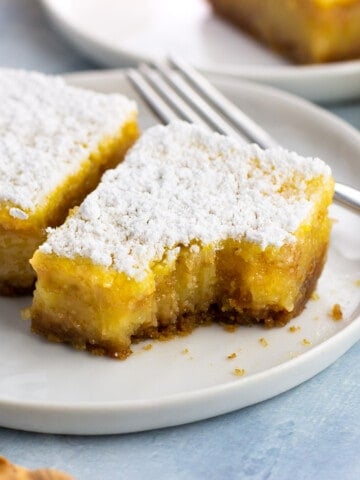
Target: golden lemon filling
52	162
307	31
190	228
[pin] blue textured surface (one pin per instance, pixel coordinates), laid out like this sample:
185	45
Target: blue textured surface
309	432
312	431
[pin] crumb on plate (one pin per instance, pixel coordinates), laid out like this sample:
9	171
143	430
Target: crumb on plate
315	296
263	342
229	328
294	328
336	312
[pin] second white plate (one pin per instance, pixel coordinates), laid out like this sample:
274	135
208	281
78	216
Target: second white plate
51	388
117	32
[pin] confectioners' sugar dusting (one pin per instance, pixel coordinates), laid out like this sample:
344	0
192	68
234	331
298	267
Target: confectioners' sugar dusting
179	184
46	130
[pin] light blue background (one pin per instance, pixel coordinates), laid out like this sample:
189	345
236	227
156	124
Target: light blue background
311	432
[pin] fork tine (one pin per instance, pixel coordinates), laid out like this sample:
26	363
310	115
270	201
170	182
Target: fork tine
198	103
156	103
176	102
245	124
344	194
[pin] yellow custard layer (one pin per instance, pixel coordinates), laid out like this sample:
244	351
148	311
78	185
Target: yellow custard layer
19	238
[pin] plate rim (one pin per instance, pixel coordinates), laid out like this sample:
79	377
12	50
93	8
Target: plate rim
120	418
351	332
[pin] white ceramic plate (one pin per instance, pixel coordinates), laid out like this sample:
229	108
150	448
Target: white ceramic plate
118	32
52	388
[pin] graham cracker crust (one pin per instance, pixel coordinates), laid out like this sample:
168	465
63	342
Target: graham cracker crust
184	324
9	289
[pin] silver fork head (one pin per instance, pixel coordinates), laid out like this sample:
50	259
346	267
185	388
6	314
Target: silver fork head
152	98
243	122
171	97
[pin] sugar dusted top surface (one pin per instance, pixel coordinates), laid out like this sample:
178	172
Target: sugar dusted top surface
46	130
179	184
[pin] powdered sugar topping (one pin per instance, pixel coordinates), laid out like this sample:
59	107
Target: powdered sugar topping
46	130
180	184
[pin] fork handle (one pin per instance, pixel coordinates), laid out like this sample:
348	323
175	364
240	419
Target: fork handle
346	195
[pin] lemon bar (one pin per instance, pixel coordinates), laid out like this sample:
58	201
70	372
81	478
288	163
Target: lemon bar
191	227
55	143
307	31
9	471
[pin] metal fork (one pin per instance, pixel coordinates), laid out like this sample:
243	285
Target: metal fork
182	92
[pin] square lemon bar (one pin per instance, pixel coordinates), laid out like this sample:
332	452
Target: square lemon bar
55	143
191	227
307	31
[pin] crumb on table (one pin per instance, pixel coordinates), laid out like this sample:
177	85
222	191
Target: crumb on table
306	342
315	296
147	347
185	351
239	372
231	356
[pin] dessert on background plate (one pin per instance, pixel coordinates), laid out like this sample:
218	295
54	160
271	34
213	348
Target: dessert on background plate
307	31
9	471
191	227
55	143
